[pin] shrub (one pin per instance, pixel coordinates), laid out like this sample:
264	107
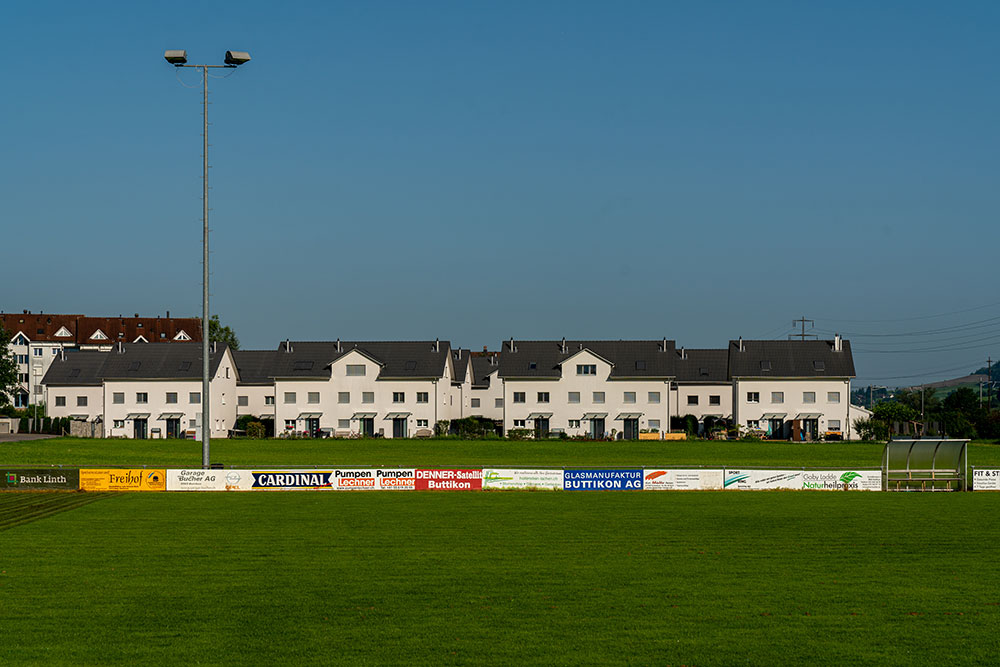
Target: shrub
519	434
256	430
23	428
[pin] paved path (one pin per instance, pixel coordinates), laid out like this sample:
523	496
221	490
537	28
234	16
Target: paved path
19	437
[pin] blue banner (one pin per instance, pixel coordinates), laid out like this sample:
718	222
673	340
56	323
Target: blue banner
602	480
292	479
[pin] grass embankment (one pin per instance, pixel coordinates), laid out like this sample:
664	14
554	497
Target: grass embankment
451	453
529	578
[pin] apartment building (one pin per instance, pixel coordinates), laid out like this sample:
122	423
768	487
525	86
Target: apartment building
702	387
792	389
592	388
37	339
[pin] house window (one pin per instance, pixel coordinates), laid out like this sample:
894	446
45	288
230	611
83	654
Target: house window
422	397
368	397
833	425
518	423
37	351
715	400
654	424
55	352
171	397
120	423
543	397
692	400
60	401
343	397
519	397
20	340
22	377
142	397
574	423
194	397
653	397
289	424
598	397
574	397
498	402
243	401
474	402
629	397
344	424
586	369
21	399
193	423
81	401
38	388
753	397
312	397
398	397
777	397
355	370
421	423
833	397
809	397
118	397
269	400
289	398
753	423
22	358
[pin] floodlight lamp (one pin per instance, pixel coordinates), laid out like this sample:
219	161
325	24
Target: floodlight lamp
176	57
237	57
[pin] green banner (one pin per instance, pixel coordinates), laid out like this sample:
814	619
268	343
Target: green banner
37	479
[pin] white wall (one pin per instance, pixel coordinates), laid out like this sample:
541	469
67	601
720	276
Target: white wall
93	395
793	390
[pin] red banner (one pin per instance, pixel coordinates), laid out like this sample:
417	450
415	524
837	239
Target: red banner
449	480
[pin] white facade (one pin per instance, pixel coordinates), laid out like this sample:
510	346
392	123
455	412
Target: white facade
33	360
703	400
760	403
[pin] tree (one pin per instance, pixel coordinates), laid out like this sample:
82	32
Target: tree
222	334
8	369
963	400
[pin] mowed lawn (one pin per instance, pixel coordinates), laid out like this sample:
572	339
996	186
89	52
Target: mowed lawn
453	453
519	577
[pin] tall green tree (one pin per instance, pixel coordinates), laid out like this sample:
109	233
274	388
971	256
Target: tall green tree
8	369
222	334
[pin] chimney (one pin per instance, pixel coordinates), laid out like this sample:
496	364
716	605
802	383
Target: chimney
683	354
512	344
215	345
121	347
437	344
338	345
741	343
563	346
137	314
62	353
25	311
664	348
838	343
485	349
168	314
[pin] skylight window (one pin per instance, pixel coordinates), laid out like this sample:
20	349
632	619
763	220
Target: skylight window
410	366
765	365
134	366
303	365
640	365
819	365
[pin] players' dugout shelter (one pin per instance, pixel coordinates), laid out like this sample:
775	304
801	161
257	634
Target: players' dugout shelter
925	465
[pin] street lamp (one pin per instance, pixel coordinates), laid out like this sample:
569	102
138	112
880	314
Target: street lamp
178	58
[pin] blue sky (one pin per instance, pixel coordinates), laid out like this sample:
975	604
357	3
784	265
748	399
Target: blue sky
476	171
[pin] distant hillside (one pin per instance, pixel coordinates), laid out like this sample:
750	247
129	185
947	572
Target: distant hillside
966	380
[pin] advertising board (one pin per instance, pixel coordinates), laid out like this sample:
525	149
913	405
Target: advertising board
682	480
41	479
986	479
373	479
208	480
602	480
822	480
499	478
123	479
449	479
291	480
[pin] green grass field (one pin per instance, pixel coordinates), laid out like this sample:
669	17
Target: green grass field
532	578
549	453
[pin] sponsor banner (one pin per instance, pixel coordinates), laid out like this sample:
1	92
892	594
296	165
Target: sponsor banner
986	479
823	480
40	479
602	480
682	480
497	478
451	479
374	479
208	480
285	480
123	479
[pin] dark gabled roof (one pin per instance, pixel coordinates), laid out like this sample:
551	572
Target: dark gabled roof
76	368
256	366
460	362
43	327
631	358
790	359
483	366
399	359
39	327
710	366
168	361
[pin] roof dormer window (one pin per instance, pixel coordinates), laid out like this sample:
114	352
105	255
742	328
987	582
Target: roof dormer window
765	365
819	365
640	365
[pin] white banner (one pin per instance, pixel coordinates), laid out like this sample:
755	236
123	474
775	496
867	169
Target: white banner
501	478
682	480
986	479
208	480
373	479
823	480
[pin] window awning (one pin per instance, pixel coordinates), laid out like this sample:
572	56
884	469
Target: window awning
774	415
81	418
398	415
137	415
629	415
808	415
715	416
595	415
539	415
171	415
310	415
266	418
363	415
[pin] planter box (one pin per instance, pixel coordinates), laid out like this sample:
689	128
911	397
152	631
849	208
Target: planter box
649	436
675	436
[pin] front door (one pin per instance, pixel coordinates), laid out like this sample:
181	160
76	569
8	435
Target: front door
173	428
811	428
541	428
597	428
777	428
312	426
399	427
139	429
631	429
367	427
